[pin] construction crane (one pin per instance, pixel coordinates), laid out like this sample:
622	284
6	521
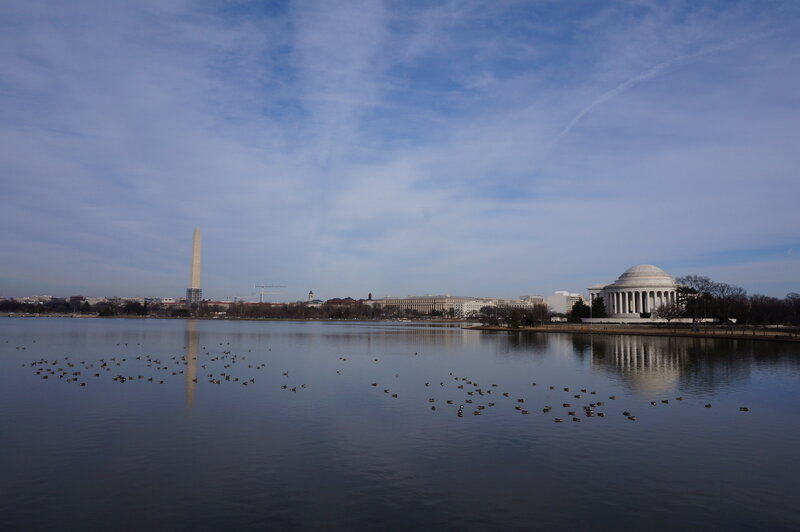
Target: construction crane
263	286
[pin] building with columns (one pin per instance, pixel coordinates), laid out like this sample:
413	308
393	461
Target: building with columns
419	304
642	288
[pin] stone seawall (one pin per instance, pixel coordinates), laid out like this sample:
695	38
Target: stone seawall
703	332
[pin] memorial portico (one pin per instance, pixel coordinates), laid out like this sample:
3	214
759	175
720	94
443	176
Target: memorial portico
642	288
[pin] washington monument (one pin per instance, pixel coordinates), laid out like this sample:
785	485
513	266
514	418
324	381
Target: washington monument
194	293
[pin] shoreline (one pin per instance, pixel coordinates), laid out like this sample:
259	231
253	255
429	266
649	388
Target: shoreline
344	320
645	330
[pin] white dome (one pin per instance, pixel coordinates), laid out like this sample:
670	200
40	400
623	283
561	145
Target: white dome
644	275
644	269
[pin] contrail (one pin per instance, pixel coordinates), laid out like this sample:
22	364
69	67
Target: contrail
652	72
610	94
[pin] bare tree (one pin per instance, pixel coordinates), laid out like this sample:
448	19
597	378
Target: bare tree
793	302
537	315
669	311
725	297
699	283
694	291
766	309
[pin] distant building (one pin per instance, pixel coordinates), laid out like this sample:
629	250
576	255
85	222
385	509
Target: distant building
343	302
463	307
312	301
420	304
540	300
472	308
642	288
34	299
522	304
562	301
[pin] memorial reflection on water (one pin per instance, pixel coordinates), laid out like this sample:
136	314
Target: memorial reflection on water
650	364
647	364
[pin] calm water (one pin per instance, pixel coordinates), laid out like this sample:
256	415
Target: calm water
303	440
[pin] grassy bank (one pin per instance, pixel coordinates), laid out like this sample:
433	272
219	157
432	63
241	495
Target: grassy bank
649	330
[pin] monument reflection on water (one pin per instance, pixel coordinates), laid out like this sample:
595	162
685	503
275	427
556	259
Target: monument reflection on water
288	427
191	340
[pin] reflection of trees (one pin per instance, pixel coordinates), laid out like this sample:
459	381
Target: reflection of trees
190	339
651	364
528	341
582	344
387	336
717	362
524	343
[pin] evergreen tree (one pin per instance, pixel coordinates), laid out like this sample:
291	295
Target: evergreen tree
580	310
598	307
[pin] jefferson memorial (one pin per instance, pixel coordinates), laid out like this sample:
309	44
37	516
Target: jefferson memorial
642	288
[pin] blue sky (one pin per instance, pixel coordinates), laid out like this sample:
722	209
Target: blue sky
488	148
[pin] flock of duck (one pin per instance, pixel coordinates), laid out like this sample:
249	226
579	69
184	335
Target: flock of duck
462	394
82	371
478	398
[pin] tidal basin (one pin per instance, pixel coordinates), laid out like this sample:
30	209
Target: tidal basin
208	425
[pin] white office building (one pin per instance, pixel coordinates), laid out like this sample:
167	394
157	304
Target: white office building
562	301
